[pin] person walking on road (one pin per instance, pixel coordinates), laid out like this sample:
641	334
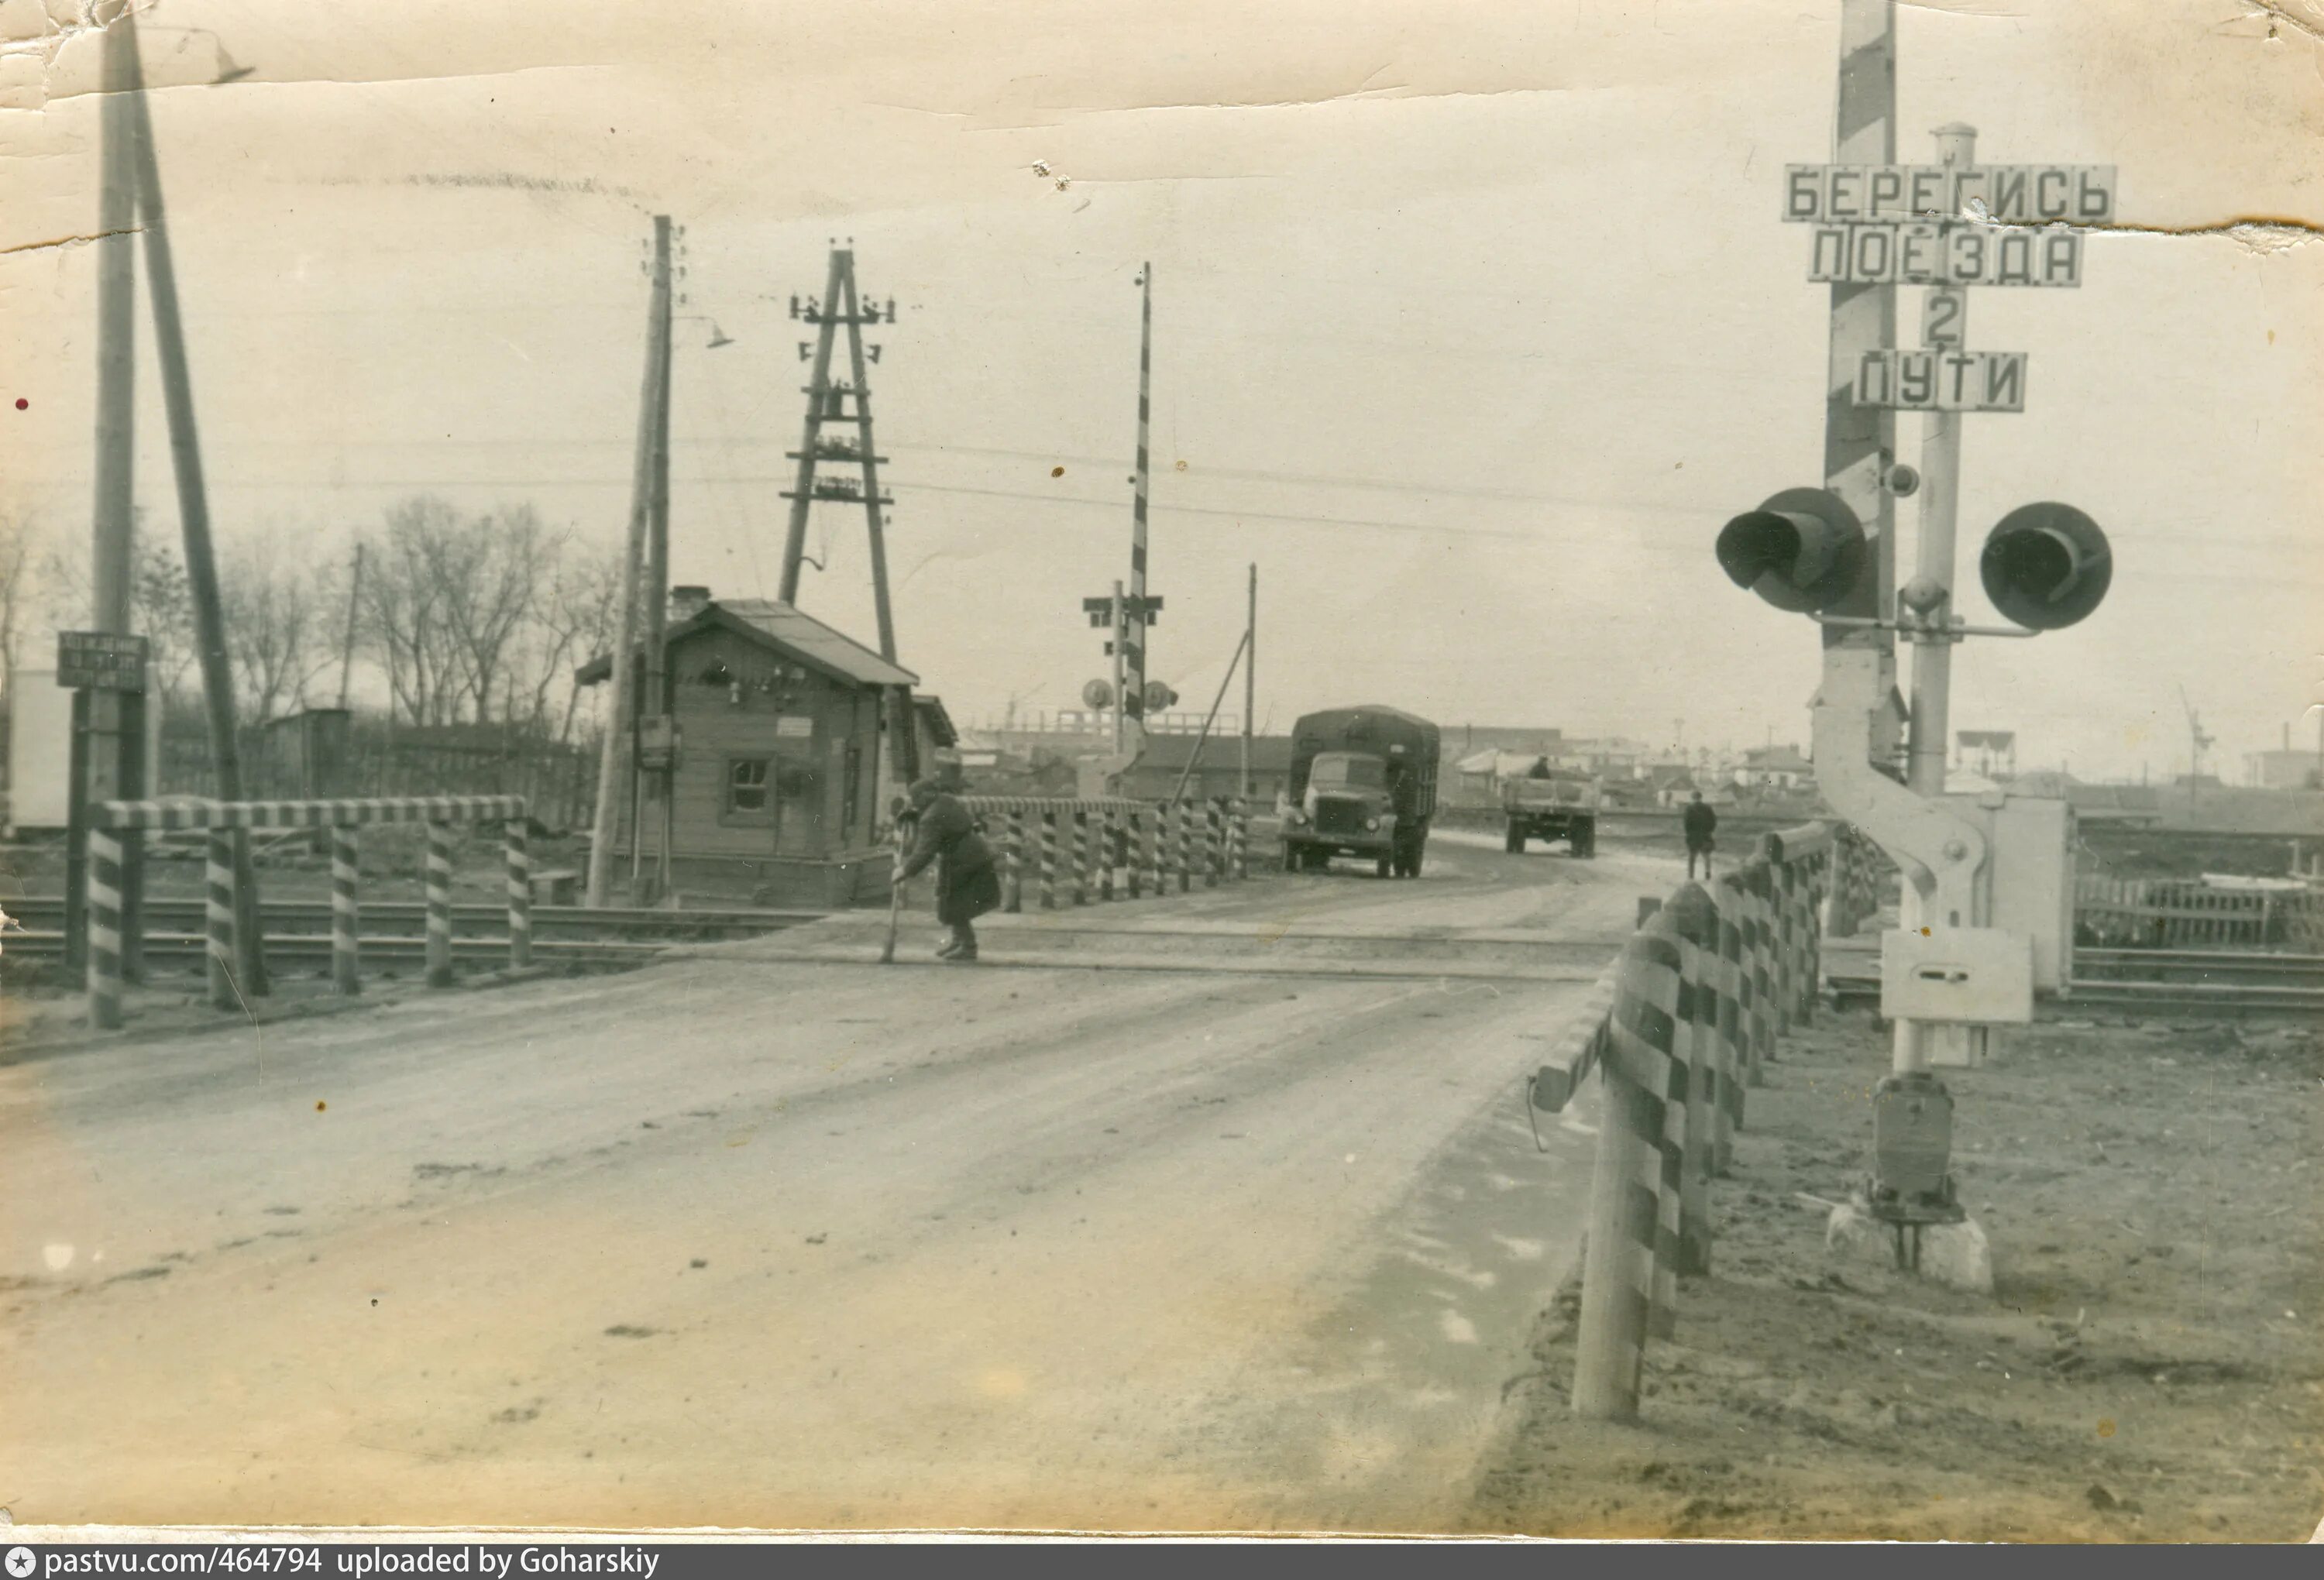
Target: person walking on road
968	884
1699	821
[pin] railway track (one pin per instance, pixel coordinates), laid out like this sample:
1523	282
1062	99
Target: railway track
2222	982
298	930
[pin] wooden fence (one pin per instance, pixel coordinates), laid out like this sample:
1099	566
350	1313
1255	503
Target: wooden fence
2157	913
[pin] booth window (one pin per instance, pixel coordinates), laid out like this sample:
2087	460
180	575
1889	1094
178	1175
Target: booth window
747	788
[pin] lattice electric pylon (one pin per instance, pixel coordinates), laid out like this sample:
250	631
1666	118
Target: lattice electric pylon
844	403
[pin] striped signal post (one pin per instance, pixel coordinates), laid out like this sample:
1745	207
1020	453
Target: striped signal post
439	905
103	883
220	917
346	872
520	893
1048	859
1012	898
1135	612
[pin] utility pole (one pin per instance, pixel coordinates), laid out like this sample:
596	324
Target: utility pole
1249	673
194	517
622	704
347	647
655	702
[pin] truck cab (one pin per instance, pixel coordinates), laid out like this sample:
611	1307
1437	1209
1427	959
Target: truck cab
1548	804
1363	784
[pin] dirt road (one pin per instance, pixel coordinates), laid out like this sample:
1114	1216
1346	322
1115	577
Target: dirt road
746	1240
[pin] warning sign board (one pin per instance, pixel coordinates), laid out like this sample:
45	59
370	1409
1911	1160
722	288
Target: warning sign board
100	661
1943	381
1846	194
1945	254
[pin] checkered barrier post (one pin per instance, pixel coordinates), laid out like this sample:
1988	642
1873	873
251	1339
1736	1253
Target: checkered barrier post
346	872
1734	1070
1048	860
1694	924
103	892
520	893
439	905
1012	893
217	916
1785	890
1758	887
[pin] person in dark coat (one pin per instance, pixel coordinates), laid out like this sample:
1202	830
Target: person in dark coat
1699	821
968	883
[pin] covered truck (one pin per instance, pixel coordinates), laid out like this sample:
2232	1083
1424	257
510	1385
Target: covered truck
1551	804
1363	784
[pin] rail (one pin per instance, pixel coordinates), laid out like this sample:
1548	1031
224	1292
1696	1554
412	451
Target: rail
1678	1028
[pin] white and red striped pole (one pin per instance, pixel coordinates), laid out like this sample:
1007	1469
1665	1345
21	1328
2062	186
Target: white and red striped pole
1133	701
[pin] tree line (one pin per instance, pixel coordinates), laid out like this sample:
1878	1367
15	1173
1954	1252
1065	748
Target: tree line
468	618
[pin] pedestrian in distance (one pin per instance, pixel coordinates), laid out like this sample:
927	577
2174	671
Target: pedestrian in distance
1699	822
968	882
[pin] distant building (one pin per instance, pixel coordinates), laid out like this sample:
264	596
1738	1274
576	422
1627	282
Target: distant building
1775	768
2285	770
1160	768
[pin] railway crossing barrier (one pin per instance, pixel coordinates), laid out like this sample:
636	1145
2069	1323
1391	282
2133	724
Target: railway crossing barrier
110	821
1677	1028
1115	846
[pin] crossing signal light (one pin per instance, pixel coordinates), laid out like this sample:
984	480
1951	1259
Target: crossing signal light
1802	550
2046	566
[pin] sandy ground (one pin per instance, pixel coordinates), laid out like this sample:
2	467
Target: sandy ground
744	1240
2148	1368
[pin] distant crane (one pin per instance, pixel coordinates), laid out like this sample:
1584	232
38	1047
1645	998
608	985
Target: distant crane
2198	743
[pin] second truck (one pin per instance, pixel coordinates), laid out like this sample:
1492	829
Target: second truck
1363	784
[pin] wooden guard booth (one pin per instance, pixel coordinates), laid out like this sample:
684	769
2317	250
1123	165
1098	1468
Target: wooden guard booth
776	794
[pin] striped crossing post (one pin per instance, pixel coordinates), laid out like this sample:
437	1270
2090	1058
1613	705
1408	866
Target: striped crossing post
1214	845
1620	1271
1048	859
1108	848
1811	978
1735	1072
103	888
1694	922
1186	848
218	916
520	895
1158	849
439	903
1759	886
1242	840
346	871
1012	898
1081	856
1133	851
1784	892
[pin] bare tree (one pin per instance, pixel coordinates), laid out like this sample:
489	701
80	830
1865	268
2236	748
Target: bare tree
403	617
493	569
278	624
18	541
579	621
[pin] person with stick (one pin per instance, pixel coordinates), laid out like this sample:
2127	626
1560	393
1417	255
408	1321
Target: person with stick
968	882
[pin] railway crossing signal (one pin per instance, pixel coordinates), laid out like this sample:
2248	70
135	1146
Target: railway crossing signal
2046	567
1801	550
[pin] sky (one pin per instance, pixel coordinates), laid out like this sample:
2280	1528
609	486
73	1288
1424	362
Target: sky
1472	324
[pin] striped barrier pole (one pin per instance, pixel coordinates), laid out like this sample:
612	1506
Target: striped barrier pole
1620	1263
1694	922
1107	851
1159	850
218	916
1048	859
1080	856
1241	833
520	895
1759	886
345	872
1012	899
439	905
1214	845
1186	848
103	889
1133	851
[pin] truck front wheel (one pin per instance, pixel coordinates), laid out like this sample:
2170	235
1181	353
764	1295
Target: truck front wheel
1515	842
1290	858
1584	839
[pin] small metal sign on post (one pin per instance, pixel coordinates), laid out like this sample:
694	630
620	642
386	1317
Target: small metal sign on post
101	661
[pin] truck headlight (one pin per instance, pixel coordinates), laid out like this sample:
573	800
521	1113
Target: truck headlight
1372	823
1294	817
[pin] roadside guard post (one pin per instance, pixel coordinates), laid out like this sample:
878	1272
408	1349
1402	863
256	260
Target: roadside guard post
1083	841
110	821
